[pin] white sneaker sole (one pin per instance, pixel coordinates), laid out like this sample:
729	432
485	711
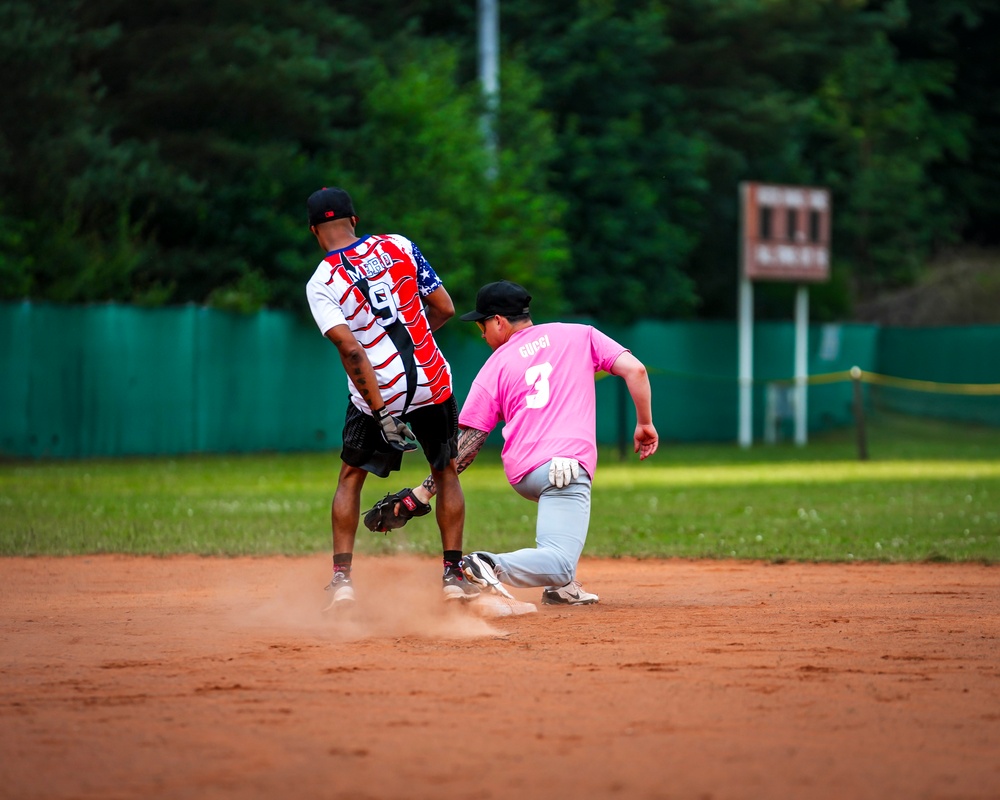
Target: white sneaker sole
455	593
547	602
342	598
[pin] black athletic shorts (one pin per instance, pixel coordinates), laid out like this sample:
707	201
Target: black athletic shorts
436	429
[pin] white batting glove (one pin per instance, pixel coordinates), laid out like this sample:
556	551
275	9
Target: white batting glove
562	471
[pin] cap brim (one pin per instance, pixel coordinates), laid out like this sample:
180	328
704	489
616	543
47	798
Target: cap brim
473	316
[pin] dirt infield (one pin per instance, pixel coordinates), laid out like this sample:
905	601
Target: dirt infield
216	678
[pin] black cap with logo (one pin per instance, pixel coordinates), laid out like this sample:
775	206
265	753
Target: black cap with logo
329	204
502	297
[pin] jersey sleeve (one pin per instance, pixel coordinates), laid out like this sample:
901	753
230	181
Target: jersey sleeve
324	308
427	278
604	350
480	410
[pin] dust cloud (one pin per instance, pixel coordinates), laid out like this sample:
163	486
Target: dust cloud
396	597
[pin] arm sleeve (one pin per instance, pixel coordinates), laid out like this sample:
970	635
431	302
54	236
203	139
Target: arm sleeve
427	278
324	308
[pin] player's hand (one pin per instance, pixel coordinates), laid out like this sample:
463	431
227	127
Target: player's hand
646	440
396	433
394	511
562	471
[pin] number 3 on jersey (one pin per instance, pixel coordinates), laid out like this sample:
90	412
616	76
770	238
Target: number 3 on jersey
537	377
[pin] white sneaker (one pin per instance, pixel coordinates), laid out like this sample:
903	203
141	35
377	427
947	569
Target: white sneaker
479	570
456	586
341	592
572	594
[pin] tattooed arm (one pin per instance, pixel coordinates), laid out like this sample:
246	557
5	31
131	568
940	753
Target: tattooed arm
470	441
356	364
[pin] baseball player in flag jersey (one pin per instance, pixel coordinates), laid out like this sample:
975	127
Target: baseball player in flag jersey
379	301
539	382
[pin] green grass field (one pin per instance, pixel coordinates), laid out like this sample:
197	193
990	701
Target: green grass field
931	491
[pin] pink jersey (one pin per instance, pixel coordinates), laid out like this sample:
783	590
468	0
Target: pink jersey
541	384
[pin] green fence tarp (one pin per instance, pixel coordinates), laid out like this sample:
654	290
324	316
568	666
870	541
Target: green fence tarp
113	380
947	356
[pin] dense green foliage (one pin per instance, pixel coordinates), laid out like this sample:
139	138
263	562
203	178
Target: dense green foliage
161	152
929	492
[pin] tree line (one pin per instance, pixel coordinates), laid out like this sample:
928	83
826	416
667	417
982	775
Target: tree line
161	152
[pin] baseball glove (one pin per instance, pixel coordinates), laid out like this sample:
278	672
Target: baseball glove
383	516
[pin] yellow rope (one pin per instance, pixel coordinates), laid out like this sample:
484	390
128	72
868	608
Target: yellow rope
930	386
981	389
900	383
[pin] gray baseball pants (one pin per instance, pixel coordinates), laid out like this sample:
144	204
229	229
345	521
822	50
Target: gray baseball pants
560	532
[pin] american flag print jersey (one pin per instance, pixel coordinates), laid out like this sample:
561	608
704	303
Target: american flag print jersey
375	287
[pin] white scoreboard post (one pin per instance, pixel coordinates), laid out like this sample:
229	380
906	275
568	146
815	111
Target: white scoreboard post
785	236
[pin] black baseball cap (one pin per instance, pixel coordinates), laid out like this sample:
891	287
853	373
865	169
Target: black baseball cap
329	204
503	297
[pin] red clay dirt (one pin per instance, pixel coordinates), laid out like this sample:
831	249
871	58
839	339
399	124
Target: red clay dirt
194	677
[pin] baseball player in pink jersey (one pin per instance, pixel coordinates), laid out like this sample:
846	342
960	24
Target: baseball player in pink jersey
539	382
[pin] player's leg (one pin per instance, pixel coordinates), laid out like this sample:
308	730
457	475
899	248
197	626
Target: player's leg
436	429
560	533
449	507
364	451
450	512
346	508
344	514
563	523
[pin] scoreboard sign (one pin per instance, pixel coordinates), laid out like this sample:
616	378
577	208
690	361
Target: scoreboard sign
786	233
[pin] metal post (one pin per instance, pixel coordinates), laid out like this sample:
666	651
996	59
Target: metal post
622	420
859	414
746	363
771	413
489	76
801	363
